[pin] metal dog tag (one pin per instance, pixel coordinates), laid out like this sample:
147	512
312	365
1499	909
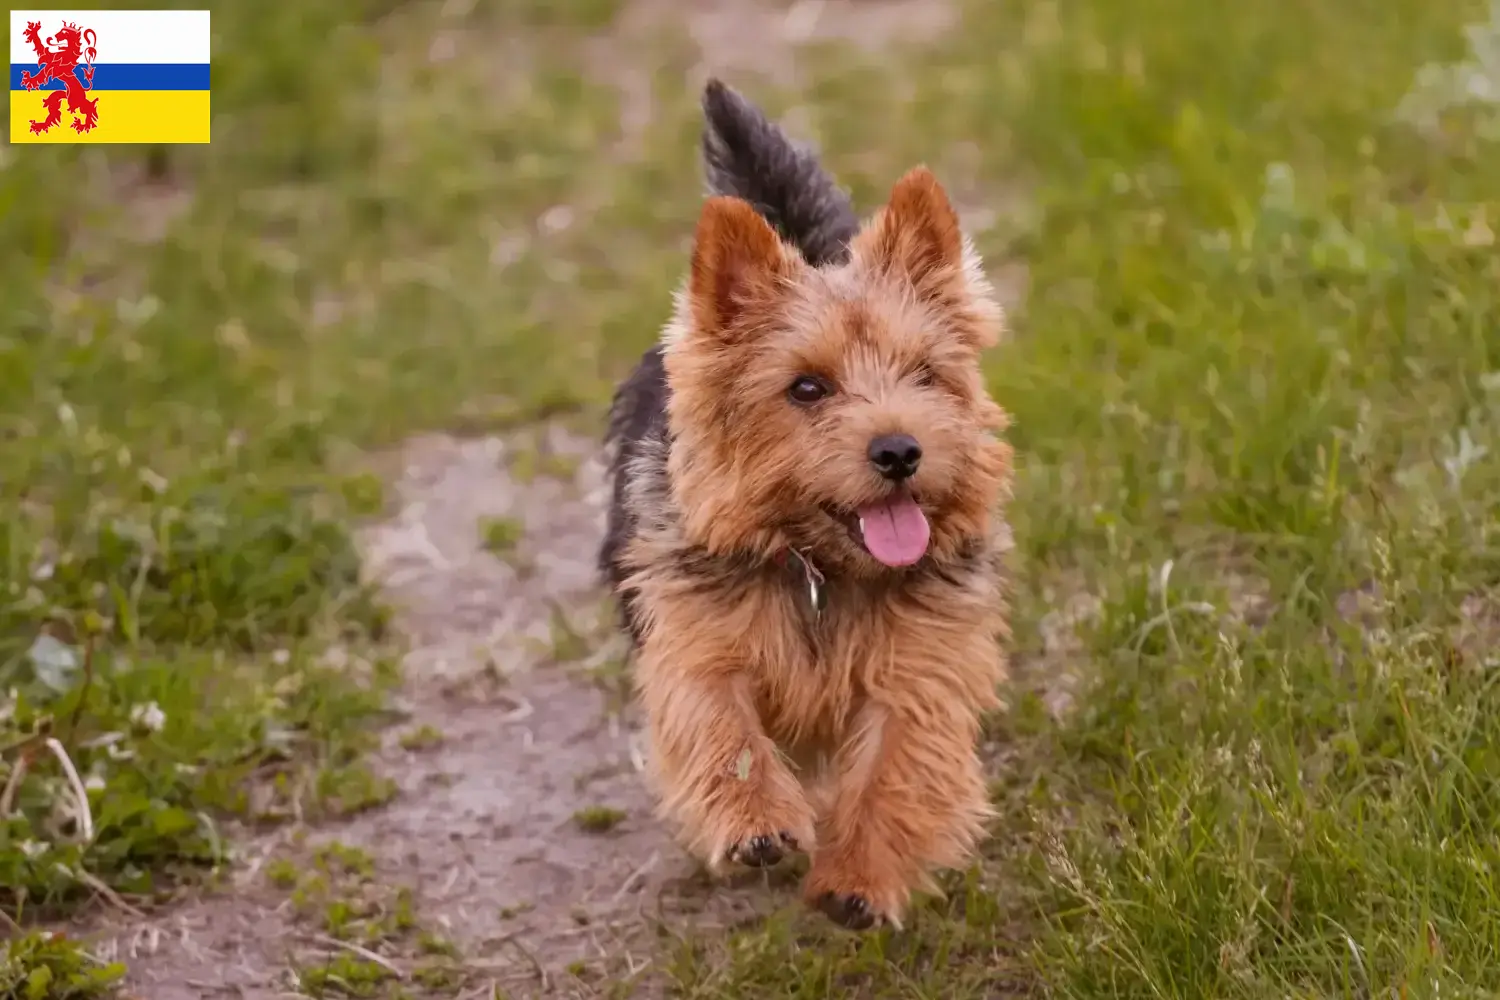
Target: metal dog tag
817	593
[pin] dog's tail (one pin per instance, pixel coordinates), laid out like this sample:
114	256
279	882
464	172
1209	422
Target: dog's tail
747	156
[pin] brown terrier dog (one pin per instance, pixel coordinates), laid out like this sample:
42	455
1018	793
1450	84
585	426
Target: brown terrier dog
805	535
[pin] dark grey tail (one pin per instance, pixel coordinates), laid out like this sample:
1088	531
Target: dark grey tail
747	156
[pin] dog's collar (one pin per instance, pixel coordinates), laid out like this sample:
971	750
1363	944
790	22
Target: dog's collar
812	578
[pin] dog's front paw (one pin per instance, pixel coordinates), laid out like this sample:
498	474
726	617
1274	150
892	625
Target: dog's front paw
762	850
852	899
762	825
849	910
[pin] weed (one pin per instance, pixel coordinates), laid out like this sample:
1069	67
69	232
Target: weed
598	819
344	976
351	789
501	534
423	737
42	966
283	873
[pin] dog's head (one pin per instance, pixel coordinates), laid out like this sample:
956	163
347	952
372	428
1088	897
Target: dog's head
837	409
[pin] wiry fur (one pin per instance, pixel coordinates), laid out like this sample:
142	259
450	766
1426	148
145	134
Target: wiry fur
851	732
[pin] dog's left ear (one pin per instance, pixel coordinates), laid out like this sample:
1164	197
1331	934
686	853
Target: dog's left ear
916	233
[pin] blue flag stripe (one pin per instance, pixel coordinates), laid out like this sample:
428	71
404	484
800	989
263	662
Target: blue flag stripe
126	76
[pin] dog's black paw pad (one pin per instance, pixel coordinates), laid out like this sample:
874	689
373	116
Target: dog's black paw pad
852	911
760	851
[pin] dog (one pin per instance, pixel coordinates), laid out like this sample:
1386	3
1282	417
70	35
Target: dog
805	533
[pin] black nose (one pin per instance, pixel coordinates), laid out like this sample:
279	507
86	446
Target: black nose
895	456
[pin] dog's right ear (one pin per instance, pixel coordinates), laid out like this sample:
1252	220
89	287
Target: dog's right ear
738	261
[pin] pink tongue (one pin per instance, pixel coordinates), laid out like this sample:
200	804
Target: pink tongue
895	530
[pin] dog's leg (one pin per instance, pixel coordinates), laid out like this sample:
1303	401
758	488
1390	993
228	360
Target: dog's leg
909	797
720	776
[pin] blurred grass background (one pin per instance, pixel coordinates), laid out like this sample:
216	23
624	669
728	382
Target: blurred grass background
1255	374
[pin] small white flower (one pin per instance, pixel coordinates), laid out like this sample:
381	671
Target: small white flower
153	481
94	783
281	657
55	662
136	312
32	848
148	716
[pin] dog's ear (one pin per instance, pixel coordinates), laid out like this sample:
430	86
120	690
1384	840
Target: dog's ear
916	233
738	260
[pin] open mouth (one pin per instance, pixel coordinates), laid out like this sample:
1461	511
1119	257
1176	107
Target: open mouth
893	529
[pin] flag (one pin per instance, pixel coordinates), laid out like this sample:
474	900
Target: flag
109	76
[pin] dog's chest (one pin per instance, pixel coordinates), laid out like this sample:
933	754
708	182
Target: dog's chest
817	652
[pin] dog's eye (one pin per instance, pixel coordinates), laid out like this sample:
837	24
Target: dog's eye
805	389
922	375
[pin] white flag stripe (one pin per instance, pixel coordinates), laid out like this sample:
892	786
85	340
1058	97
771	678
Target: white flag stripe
124	36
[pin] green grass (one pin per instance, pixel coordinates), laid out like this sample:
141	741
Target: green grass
1255	376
